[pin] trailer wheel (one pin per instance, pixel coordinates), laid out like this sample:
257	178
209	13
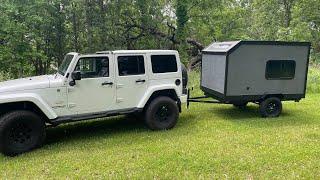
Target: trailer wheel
270	107
21	131
240	105
162	113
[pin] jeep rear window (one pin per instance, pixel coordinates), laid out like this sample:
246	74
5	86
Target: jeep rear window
130	65
164	63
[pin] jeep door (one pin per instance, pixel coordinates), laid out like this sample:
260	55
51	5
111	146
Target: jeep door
132	80
95	92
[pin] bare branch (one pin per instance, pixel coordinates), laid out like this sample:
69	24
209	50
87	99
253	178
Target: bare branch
195	43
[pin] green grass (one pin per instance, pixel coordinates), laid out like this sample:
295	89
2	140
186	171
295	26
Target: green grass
314	79
209	142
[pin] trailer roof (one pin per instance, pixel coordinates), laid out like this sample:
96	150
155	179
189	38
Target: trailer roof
229	46
221	46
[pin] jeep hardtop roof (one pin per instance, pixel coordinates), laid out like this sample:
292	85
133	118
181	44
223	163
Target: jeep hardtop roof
127	52
143	51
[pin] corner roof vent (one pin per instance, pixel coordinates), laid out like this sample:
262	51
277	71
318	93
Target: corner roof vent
103	52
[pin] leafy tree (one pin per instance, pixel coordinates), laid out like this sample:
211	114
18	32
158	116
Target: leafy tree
35	34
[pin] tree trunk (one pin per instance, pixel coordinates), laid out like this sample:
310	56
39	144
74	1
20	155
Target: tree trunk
287	12
102	25
182	18
75	28
89	24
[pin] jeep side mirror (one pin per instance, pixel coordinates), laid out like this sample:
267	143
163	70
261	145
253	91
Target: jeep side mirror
76	75
72	83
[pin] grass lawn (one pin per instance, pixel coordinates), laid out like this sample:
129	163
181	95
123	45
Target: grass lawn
209	141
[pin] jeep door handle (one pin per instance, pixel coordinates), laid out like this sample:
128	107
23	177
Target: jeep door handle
140	81
107	83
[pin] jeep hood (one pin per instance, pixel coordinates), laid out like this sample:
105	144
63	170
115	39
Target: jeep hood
36	82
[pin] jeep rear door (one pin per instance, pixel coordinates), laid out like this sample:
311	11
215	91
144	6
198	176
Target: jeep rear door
131	78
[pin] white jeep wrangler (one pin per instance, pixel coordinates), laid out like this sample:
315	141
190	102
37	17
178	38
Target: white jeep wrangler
148	83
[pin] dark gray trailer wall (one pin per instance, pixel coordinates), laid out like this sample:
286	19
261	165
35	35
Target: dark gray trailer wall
247	70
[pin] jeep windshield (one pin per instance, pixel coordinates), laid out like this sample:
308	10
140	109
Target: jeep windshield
65	64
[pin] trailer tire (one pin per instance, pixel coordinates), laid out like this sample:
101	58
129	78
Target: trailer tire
21	131
162	113
270	107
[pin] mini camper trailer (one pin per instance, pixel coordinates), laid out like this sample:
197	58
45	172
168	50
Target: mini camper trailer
263	72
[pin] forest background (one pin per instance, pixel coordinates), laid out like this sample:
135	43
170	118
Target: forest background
36	34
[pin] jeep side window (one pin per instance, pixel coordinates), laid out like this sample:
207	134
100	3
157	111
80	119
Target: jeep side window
130	65
164	63
93	67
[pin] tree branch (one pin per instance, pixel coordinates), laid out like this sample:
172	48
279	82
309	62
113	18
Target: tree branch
195	43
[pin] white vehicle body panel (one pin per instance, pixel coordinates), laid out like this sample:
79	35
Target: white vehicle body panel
29	97
129	91
56	98
37	82
153	89
89	95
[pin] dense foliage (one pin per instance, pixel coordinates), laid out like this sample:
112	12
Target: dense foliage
35	34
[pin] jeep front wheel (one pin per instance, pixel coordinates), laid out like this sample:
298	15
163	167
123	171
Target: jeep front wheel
20	131
162	113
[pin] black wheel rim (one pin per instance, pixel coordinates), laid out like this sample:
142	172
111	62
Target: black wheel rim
272	108
21	134
163	113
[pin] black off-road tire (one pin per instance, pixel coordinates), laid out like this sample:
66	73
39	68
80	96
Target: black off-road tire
162	113
21	131
271	107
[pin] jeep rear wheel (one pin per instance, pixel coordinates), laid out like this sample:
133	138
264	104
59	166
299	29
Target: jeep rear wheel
20	131
162	113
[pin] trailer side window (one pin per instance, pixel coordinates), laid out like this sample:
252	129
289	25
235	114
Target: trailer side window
280	69
164	63
130	65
